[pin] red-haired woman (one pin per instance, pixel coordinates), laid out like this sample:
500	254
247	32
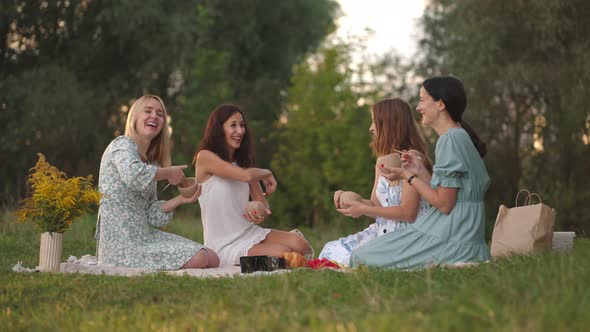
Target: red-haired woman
225	166
392	204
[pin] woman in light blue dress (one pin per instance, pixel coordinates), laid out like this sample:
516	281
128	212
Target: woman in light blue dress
130	213
452	230
395	204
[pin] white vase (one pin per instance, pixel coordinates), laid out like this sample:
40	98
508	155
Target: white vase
50	252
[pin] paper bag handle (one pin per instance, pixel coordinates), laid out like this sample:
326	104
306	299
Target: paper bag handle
528	199
525	200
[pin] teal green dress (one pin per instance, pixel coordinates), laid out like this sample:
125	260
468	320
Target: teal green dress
435	237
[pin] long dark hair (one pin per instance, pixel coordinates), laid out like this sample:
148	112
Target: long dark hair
397	129
214	137
451	91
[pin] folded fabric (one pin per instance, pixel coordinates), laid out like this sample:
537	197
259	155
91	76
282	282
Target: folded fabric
88	264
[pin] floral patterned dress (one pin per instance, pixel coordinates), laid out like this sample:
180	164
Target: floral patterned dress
340	250
130	212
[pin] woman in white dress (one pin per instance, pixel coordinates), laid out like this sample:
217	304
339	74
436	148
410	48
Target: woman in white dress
392	205
225	167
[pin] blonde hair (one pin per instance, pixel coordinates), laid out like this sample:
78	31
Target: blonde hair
159	150
396	129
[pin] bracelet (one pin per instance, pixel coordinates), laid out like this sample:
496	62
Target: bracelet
410	179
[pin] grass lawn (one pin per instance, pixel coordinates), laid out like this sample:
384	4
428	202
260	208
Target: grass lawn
541	293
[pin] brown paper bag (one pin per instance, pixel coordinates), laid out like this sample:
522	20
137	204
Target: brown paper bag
523	229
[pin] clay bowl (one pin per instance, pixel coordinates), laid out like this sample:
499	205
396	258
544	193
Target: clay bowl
188	187
393	160
349	196
256	208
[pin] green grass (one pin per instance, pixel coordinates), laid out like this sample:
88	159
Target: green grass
539	293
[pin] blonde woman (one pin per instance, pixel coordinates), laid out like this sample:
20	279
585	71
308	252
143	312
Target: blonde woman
129	212
392	205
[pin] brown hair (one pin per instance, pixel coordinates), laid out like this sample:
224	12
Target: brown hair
159	149
214	137
396	129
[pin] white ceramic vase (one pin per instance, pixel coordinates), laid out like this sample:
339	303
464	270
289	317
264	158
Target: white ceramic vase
50	252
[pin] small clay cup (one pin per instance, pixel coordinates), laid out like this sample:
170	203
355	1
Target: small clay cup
257	208
188	187
393	160
349	196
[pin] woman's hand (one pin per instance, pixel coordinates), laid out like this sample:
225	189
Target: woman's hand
173	203
391	173
253	217
175	174
337	198
354	210
270	183
413	161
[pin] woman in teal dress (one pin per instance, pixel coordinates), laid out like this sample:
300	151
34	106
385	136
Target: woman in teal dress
452	230
130	212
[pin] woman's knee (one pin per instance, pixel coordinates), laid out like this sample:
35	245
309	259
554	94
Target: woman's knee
270	249
213	259
202	259
300	244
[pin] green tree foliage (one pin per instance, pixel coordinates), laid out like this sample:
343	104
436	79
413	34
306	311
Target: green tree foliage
323	141
245	54
524	65
69	70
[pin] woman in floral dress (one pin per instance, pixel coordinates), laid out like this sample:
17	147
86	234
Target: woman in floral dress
130	213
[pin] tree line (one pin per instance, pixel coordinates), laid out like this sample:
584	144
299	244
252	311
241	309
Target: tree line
70	69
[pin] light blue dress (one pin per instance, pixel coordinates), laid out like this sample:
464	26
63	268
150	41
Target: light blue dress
130	212
339	251
437	238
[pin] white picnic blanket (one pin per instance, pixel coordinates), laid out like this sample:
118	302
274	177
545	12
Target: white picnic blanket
88	264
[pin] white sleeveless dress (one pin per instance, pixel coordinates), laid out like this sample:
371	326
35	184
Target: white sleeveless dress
225	229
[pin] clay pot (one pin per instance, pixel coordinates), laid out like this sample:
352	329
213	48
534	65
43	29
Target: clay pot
348	196
256	208
188	187
393	160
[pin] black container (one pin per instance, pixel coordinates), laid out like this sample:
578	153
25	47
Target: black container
250	264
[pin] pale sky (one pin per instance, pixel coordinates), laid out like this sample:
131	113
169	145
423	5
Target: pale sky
394	23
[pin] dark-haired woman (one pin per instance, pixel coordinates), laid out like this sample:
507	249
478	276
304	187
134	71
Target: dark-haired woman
225	167
452	230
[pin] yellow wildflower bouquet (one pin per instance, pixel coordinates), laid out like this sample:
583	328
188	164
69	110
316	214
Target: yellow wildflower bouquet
56	200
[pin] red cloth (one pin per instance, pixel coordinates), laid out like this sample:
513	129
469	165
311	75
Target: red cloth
322	263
